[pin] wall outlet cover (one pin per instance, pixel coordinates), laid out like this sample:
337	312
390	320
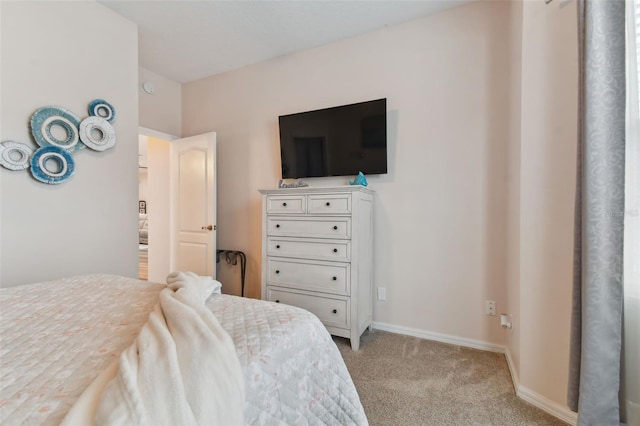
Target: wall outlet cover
490	307
382	293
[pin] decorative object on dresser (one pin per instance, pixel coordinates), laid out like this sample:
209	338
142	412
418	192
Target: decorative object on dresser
359	180
295	184
317	254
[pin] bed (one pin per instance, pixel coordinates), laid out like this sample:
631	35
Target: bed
57	336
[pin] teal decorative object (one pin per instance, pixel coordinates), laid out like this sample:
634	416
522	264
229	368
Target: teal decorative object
359	180
58	134
103	109
41	164
46	117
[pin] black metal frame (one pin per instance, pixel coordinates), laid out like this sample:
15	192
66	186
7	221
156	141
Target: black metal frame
231	257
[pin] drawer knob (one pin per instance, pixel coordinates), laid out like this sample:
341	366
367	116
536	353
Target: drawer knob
284	204
277	271
328	204
278	246
335	311
335	227
335	278
277	301
335	250
277	225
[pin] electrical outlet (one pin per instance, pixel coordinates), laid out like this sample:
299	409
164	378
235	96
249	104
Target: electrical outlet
489	307
382	293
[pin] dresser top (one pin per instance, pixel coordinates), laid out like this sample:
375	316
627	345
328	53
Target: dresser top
317	189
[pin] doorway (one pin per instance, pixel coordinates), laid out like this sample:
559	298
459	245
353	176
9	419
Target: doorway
143	221
154	205
177	204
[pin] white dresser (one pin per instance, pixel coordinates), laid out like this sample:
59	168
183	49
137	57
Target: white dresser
317	253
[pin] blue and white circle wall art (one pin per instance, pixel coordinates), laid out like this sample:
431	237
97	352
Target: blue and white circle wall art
15	155
103	109
52	164
97	133
64	122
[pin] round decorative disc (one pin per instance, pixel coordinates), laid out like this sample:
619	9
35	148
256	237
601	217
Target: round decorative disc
15	155
52	164
97	133
103	109
43	121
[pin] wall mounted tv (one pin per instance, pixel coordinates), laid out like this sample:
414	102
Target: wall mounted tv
338	141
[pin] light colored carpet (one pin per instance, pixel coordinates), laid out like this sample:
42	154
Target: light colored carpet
406	381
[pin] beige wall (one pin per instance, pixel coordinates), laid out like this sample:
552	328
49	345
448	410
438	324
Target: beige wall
440	240
547	191
89	223
161	110
514	122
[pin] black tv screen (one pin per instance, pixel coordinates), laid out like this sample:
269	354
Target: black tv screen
338	141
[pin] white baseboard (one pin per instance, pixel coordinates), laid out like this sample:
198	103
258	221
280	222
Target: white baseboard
526	394
540	401
439	337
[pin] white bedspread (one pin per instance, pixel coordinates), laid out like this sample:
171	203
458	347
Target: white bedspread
56	337
294	373
167	375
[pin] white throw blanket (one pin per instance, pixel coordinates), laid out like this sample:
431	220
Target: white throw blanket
182	368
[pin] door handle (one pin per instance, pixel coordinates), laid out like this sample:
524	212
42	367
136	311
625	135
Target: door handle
208	228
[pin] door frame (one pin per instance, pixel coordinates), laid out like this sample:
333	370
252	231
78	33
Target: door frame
145	131
161	250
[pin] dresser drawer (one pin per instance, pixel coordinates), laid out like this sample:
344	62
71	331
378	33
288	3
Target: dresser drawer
332	312
330	204
337	250
308	275
286	204
315	227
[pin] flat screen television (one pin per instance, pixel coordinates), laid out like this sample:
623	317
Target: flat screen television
338	141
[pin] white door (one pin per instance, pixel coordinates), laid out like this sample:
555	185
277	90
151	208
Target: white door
194	204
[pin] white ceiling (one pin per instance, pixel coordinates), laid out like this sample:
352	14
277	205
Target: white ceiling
188	40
